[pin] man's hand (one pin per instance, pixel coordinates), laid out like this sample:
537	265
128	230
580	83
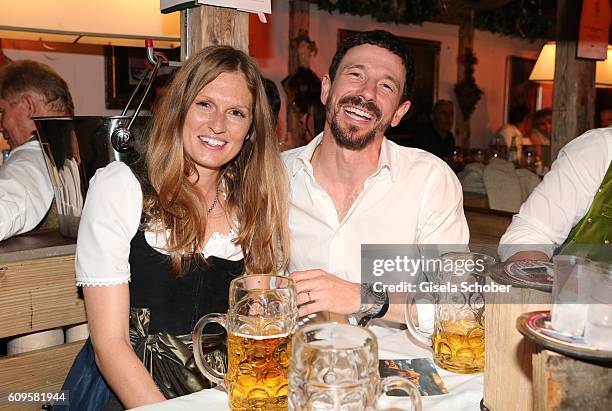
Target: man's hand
322	291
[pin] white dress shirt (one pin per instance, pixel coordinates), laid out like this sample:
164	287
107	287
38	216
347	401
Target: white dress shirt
413	197
110	219
563	197
26	192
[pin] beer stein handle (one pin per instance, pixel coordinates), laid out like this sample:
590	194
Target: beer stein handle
412	328
203	365
402	384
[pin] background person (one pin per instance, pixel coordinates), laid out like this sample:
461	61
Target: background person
436	136
158	245
28	89
517	129
605	117
541	134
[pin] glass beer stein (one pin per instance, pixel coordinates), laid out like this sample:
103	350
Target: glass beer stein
458	339
335	367
260	322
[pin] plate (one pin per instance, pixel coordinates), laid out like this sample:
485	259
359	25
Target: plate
535	325
537	275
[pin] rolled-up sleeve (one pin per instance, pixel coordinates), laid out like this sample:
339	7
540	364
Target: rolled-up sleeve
563	197
26	192
110	219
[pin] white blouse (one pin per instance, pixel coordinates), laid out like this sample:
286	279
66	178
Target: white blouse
109	221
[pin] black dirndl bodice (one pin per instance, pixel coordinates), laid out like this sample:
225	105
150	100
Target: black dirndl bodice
163	311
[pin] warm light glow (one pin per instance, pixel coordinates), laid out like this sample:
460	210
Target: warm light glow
544	69
114	22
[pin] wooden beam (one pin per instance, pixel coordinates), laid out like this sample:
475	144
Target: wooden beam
299	19
466	43
574	87
208	25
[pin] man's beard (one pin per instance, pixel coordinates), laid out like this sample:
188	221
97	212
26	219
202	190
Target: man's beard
346	137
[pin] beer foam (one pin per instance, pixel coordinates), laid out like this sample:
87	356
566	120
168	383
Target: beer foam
260	337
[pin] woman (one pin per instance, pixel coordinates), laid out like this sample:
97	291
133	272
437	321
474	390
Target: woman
157	248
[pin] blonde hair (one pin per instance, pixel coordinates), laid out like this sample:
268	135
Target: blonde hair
254	179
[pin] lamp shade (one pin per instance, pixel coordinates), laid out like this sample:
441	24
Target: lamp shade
544	69
109	22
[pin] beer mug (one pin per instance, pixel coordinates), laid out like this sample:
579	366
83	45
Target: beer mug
335	367
260	322
458	339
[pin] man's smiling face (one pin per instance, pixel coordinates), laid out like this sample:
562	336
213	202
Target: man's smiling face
364	98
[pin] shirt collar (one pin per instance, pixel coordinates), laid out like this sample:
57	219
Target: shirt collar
384	161
305	155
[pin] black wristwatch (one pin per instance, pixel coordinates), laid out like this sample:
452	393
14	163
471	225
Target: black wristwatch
379	301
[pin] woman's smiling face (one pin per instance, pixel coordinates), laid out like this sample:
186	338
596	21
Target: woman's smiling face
218	121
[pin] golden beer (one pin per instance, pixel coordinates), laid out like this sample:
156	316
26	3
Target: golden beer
459	346
257	371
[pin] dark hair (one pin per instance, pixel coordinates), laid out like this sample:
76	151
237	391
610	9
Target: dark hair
439	103
382	39
163	80
517	114
273	97
18	77
540	115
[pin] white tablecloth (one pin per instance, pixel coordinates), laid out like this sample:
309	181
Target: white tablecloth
465	391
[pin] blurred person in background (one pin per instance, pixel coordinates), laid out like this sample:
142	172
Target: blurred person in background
541	133
160	89
517	129
605	117
27	89
437	137
273	98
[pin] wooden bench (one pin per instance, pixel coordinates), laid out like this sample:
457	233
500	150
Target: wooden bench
37	293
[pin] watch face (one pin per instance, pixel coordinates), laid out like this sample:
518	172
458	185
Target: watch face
369	296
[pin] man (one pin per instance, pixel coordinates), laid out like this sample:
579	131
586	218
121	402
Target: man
517	129
27	89
437	137
351	186
570	206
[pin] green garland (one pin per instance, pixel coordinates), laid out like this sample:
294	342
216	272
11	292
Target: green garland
396	11
526	19
530	19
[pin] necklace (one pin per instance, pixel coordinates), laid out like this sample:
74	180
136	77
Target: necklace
214	203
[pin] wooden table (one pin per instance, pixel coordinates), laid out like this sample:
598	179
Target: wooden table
486	225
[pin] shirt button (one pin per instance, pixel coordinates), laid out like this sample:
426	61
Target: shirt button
338	232
590	220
